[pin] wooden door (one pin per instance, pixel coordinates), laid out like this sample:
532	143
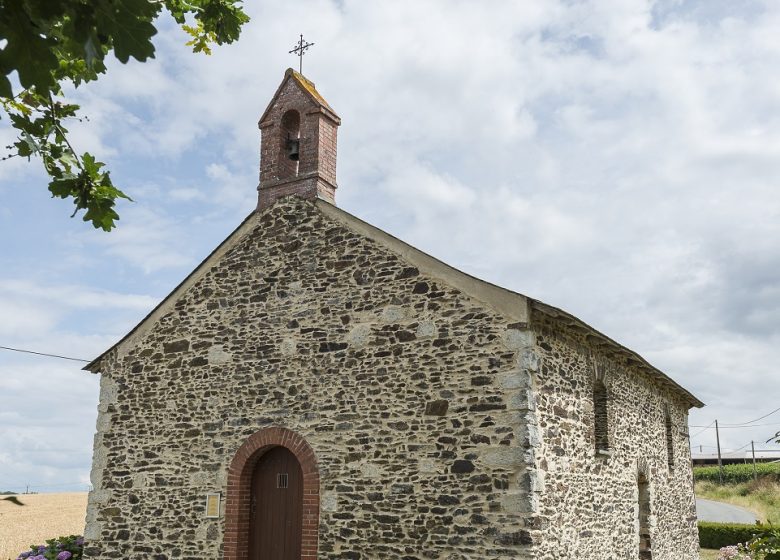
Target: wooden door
277	507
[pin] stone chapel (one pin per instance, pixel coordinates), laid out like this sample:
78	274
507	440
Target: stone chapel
318	389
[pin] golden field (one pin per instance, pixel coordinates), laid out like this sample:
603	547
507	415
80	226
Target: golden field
43	516
46	516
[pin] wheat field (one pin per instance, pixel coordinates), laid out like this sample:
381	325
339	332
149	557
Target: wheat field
43	516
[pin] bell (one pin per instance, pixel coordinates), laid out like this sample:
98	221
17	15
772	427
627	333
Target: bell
292	148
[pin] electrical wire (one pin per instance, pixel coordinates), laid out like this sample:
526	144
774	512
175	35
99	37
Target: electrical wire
740	424
729	427
751	421
43	354
740	449
723	450
702	431
40	485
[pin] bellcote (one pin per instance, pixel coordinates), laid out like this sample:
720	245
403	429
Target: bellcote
297	144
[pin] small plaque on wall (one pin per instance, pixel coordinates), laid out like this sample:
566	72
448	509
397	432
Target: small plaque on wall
212	505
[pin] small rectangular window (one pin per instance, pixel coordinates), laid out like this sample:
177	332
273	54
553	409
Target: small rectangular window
669	441
601	418
281	480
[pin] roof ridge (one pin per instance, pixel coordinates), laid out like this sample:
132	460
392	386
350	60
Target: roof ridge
308	88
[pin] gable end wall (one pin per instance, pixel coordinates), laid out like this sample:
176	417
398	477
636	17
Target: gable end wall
416	399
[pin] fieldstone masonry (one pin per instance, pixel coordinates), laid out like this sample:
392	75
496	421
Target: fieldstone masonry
437	416
591	502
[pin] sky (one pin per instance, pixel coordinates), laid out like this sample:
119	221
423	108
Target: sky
618	159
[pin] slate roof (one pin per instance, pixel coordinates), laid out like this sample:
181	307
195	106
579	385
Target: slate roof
308	87
510	304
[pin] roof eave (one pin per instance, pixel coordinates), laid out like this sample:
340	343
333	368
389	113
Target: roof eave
308	88
497	297
627	352
95	365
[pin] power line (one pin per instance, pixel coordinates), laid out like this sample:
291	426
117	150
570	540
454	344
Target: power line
701	431
741	424
724	451
740	449
729	427
751	421
728	451
43	354
42	485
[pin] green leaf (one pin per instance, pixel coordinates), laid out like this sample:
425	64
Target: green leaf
20	121
128	23
23	149
91	167
200	38
5	88
64	187
50	42
27	146
68	160
18	106
27	51
224	18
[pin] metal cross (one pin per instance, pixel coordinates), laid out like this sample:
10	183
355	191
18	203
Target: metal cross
299	50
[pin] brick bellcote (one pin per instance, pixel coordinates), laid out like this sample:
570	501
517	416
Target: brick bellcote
297	144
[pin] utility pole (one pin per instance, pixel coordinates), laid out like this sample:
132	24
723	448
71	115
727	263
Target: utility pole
753	449
720	463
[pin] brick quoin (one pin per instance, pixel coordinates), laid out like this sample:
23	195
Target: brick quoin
297	113
236	540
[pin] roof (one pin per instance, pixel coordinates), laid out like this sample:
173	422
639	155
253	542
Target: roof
308	87
513	305
631	356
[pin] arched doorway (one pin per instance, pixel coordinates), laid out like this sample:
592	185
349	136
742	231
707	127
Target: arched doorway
238	505
275	526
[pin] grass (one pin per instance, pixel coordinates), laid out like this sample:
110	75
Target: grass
761	496
737	473
43	516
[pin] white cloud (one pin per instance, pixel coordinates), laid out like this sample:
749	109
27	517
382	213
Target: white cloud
186	194
74	296
616	158
46	316
21	319
148	239
230	189
47	410
14	167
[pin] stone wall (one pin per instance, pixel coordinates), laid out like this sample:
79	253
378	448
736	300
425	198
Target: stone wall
590	504
415	398
442	428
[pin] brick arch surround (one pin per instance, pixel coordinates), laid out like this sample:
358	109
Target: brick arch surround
236	543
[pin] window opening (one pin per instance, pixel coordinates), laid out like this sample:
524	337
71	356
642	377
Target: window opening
281	480
600	420
289	144
645	551
669	440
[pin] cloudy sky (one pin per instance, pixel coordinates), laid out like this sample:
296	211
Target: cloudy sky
615	158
